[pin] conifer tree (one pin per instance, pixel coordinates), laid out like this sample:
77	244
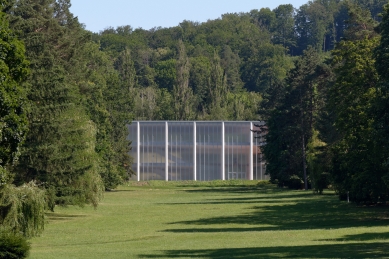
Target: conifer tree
60	147
21	208
355	165
381	104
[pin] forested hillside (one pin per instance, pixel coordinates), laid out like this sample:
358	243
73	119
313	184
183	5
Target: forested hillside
316	74
221	69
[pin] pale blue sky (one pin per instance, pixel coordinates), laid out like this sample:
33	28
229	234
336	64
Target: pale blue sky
100	14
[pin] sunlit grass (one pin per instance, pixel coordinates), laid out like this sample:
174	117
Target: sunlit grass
219	219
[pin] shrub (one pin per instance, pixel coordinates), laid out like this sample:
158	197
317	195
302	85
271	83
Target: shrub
22	209
295	183
13	246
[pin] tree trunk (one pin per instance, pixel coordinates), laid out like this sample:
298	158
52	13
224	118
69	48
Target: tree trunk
304	165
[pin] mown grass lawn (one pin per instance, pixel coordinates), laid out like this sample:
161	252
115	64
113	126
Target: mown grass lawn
232	219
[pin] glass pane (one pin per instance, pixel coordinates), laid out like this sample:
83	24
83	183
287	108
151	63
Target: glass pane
180	151
208	150
152	151
237	150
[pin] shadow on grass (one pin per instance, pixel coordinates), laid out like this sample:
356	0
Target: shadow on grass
119	190
360	250
314	212
86	243
264	189
59	216
254	200
361	237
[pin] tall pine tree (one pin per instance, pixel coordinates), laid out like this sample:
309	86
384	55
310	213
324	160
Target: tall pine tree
60	147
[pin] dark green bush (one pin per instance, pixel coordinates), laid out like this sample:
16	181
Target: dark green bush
295	183
13	246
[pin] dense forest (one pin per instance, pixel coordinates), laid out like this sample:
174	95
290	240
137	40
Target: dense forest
316	74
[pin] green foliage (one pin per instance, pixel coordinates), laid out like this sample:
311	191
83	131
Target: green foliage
381	53
255	52
22	209
243	105
13	101
315	24
284	26
381	104
318	176
166	74
13	246
356	160
291	122
264	18
182	93
267	66
217	91
59	150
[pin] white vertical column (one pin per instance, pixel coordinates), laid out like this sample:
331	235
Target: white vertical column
251	151
138	150
223	152
166	151
194	151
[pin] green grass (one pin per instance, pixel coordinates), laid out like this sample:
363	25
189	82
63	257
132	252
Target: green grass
230	219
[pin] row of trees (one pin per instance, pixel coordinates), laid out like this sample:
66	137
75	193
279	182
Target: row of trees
63	114
328	121
224	66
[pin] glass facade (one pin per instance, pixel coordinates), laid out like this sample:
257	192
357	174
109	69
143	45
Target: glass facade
195	150
180	151
208	151
237	150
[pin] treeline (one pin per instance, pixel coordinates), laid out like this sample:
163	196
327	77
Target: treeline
328	123
63	114
220	69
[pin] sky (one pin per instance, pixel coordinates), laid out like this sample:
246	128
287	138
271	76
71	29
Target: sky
97	15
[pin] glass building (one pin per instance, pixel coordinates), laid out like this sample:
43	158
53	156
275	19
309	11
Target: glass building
195	150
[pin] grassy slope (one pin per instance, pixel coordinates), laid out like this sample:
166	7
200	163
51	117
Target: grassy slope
202	220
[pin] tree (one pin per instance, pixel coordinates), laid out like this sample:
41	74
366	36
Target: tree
13	245
264	18
381	104
166	74
381	53
60	146
284	26
124	64
106	96
181	92
359	24
198	81
267	66
314	24
216	103
291	122
231	63
354	163
375	7
243	105
21	208
13	96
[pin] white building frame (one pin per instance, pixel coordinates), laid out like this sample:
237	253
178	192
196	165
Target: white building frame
195	150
